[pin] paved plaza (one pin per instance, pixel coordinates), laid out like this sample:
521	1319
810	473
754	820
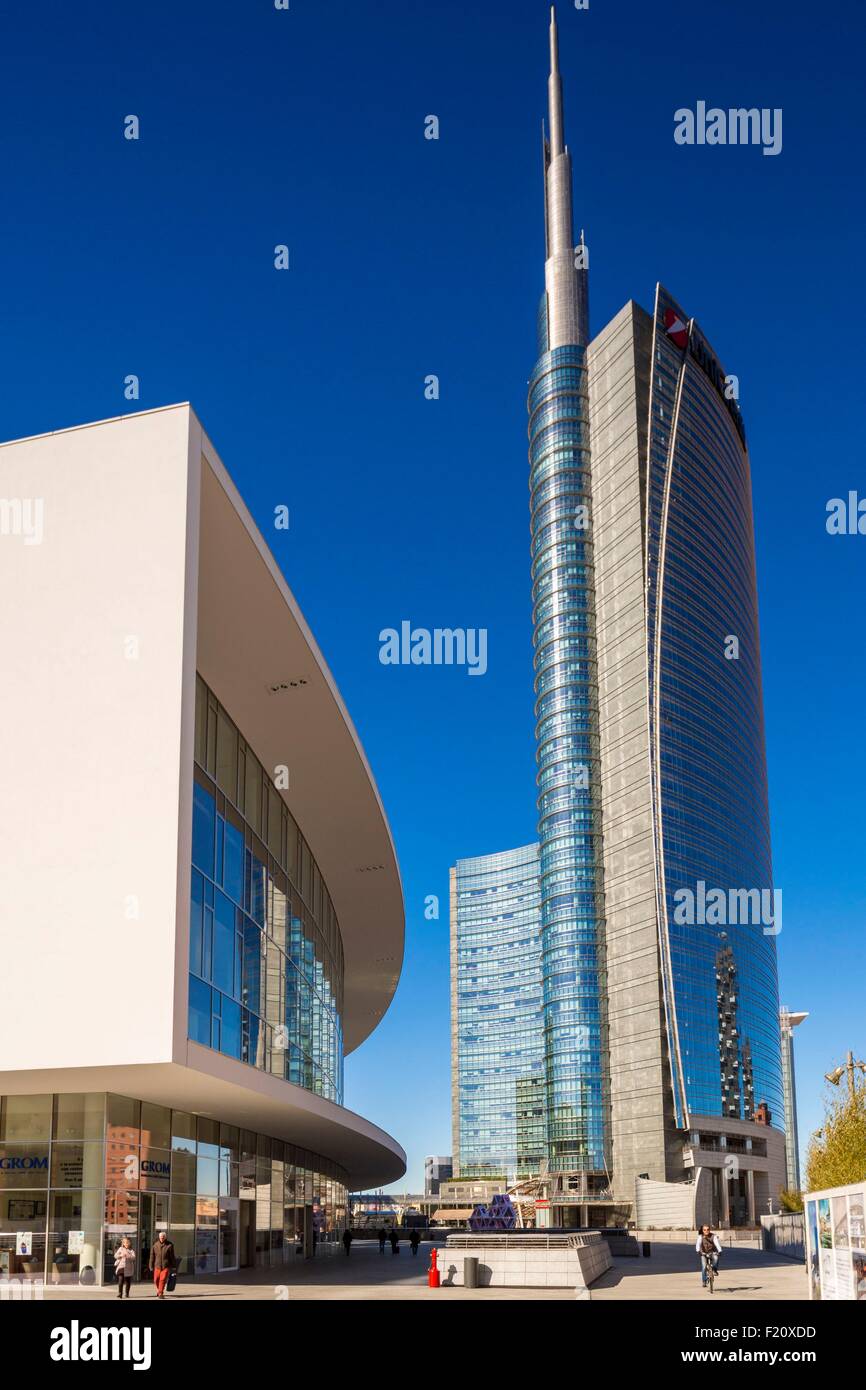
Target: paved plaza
670	1274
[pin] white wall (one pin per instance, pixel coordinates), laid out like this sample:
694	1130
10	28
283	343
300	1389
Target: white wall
90	743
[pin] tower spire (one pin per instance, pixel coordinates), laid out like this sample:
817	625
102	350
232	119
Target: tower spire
554	90
567	317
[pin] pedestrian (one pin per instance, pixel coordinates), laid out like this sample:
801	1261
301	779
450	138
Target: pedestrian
124	1266
382	1239
162	1262
414	1241
395	1242
347	1240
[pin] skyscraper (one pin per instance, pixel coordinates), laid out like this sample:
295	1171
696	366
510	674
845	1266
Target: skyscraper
497	1052
566	684
658	1024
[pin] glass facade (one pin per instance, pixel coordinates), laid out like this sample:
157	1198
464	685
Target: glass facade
566	710
500	1080
710	802
266	956
80	1172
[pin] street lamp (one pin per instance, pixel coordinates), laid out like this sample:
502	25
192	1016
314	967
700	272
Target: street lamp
835	1076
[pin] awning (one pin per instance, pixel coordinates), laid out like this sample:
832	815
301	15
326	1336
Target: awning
453	1214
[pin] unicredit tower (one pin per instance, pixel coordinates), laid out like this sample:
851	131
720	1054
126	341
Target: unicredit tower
615	1034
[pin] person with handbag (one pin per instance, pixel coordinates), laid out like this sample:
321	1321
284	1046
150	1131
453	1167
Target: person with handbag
162	1263
124	1266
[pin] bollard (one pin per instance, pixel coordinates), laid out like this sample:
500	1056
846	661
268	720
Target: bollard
433	1271
470	1272
646	1249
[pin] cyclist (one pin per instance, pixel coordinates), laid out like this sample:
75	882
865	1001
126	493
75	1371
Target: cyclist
708	1244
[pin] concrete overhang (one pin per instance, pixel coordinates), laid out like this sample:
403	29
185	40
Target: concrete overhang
252	637
230	1091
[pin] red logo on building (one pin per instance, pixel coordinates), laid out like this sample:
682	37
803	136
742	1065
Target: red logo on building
676	329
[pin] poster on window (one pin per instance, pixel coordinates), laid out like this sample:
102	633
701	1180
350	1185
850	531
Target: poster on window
24	1243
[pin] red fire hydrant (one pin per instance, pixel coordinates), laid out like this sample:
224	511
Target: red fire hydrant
433	1271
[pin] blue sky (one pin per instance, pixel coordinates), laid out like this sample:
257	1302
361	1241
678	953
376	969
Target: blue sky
411	257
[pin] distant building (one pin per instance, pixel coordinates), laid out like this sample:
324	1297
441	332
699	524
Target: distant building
437	1169
789	1021
497	1037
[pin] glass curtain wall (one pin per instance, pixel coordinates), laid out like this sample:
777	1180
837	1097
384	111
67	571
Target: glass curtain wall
266	957
80	1172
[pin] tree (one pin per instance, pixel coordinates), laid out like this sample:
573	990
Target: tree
790	1200
837	1154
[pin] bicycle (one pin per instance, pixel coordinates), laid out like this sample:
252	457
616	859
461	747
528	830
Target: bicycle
709	1271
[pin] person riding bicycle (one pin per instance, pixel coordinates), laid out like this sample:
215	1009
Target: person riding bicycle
708	1245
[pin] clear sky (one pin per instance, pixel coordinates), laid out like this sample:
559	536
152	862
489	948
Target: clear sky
409	257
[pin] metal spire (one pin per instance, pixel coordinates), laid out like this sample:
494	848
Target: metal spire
554	90
567	292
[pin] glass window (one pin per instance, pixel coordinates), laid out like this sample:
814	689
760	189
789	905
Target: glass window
155	1125
182	1227
74	1233
227	755
208	1136
233	866
124	1114
195	923
26	1117
79	1116
253	795
224	944
183	1171
206	1234
199	1011
207	1176
156	1168
228	1233
231	1028
203	824
24	1165
230	1142
275	823
77	1164
183	1131
258	890
200	722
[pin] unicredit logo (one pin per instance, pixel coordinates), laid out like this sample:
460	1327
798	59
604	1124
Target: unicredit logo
18	1163
675	328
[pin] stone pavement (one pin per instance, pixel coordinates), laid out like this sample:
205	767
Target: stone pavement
671	1273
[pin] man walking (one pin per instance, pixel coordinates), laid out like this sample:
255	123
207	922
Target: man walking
161	1262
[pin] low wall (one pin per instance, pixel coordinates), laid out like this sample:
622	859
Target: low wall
527	1261
785	1234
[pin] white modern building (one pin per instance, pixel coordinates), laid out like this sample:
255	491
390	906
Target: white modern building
201	908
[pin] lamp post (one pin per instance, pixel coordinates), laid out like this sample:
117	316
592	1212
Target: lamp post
849	1067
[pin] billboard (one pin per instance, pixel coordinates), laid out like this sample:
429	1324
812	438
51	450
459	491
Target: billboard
836	1243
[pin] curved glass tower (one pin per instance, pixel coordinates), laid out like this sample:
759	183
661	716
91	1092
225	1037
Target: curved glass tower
710	802
565	681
